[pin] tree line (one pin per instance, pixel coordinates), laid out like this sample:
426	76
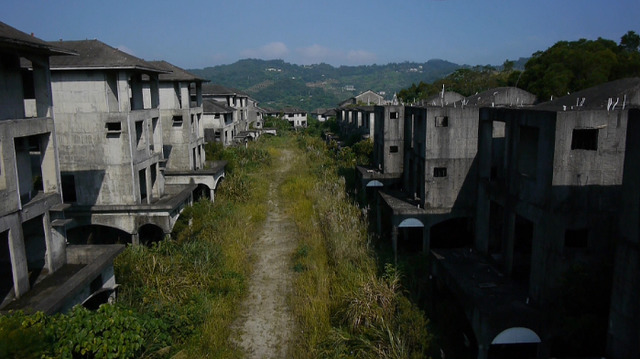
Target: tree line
565	67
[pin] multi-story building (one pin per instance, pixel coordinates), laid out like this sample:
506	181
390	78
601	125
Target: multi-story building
111	146
296	117
33	241
181	117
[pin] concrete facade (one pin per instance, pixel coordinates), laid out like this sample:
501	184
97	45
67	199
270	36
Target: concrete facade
111	144
33	239
296	117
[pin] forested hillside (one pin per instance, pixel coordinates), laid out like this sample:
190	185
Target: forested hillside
275	83
566	67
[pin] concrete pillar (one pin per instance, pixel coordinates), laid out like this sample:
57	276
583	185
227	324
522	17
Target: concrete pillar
42	85
483	218
135	238
378	214
483	351
212	194
18	256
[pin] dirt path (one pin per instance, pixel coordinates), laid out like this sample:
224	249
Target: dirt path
265	323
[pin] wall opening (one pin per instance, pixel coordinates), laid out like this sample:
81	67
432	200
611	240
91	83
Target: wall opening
149	234
35	248
528	151
176	121
112	92
576	238
442	121
142	180
522	248
6	271
440	172
29	163
452	233
97	234
69	188
584	139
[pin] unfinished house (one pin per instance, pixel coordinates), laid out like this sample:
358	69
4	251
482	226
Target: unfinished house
111	146
624	316
388	151
548	198
217	121
296	117
368	98
183	133
434	206
239	129
38	271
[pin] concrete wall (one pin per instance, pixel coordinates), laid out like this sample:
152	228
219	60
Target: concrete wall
388	146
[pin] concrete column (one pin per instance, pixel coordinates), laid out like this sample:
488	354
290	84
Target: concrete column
483	218
212	194
483	351
42	85
19	265
378	214
394	243
135	238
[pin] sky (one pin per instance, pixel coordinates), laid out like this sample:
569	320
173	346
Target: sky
194	34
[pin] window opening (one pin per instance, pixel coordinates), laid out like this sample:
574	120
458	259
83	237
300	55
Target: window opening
440	172
584	139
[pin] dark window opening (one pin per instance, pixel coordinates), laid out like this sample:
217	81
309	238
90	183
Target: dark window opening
393	149
576	238
28	85
394	115
584	139
440	172
139	132
528	151
69	188
442	121
113	128
177	121
142	180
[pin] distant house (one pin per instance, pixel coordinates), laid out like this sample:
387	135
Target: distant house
296	117
368	97
33	241
323	114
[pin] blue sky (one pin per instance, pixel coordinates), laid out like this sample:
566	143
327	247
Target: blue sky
200	33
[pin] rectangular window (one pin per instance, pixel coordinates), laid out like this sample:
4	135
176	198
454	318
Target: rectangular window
394	115
584	139
177	121
139	132
69	188
528	151
113	128
440	172
216	116
442	121
393	149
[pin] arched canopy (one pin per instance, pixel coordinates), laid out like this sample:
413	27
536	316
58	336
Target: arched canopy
516	335
410	223
375	183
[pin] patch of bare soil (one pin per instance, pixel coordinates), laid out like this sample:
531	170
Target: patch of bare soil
265	323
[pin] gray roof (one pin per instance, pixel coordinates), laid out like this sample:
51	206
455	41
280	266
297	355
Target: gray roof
624	91
293	110
94	54
213	106
176	74
16	39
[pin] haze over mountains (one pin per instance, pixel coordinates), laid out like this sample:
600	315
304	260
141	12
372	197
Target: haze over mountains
276	84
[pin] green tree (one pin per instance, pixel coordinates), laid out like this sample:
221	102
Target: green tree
630	41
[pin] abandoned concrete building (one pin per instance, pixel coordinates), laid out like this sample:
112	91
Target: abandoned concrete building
236	131
110	142
183	133
297	117
217	121
368	98
38	270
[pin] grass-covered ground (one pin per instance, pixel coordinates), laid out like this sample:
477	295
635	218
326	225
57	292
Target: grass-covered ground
180	297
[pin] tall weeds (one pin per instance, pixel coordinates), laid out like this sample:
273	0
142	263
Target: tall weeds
344	304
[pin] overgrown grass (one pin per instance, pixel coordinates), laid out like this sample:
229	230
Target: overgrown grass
344	304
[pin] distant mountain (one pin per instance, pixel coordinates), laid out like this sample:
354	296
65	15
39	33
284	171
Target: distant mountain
275	83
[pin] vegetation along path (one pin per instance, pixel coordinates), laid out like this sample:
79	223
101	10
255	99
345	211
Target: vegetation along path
265	322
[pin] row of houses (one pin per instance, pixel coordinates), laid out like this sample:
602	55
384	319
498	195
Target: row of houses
507	195
98	148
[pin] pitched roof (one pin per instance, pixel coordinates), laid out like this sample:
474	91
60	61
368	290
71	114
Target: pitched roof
213	106
94	54
439	99
293	110
13	38
624	91
175	74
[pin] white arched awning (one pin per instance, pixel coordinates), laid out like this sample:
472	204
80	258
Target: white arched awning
375	183
410	223
516	335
